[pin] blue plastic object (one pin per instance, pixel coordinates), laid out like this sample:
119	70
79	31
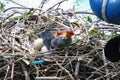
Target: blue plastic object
112	10
38	62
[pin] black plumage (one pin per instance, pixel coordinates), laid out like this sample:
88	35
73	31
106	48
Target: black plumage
56	40
60	42
47	36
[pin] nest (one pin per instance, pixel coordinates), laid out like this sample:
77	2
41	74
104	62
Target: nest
83	59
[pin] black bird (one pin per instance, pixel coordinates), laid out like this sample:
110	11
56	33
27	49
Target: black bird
62	40
112	49
54	40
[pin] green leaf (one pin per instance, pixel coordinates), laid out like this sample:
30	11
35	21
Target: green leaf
89	19
49	16
2	6
95	32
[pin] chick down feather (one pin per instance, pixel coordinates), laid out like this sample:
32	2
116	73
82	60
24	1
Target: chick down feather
60	42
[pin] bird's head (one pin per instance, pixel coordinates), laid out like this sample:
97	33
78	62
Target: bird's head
58	33
68	34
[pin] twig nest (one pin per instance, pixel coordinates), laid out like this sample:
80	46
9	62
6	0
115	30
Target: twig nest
38	43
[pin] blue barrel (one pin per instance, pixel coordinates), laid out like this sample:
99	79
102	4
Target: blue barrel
112	10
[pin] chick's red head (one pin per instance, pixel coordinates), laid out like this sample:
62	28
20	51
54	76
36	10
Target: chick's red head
58	33
71	32
68	34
